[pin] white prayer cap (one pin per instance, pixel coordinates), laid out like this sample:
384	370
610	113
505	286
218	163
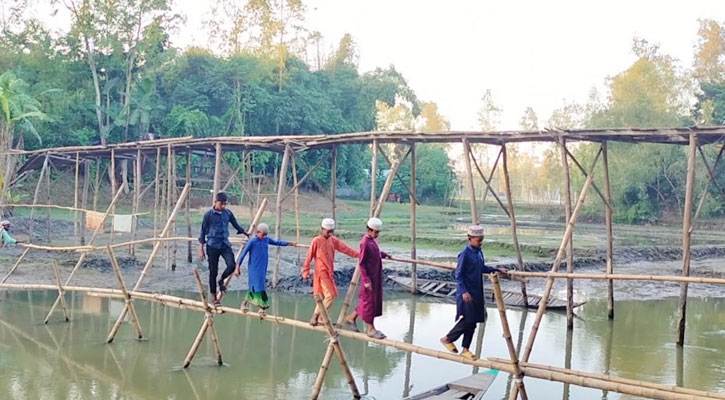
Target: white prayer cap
375	224
5	222
475	230
328	223
264	228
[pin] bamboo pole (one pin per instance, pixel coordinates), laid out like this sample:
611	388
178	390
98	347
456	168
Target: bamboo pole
61	294
621	277
512	218
195	345
412	195
278	210
174	192
137	183
112	178
333	183
610	234
47	198
557	262
15	266
84	199
488	181
83	255
373	177
35	198
169	194
333	346
126	297
570	245
469	181
155	250
217	170
75	194
386	187
686	237
187	209
297	206
306	175
518	376
584	172
156	189
413	238
96	184
711	180
207	325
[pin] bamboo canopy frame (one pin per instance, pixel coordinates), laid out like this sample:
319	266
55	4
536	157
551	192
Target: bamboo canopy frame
695	137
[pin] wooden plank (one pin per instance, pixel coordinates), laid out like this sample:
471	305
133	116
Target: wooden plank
474	383
451	394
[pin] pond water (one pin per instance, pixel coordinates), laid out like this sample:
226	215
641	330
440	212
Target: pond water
265	361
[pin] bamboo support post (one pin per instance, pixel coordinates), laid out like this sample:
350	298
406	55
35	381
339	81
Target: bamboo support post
187	210
581	169
610	233
96	184
76	186
278	210
469	181
686	238
137	183
112	178
156	189
333	183
43	171
84	199
217	170
126	298
207	325
373	176
512	218
335	347
47	210
169	194
155	250
413	238
557	262
518	376
297	206
570	245
83	255
411	193
15	266
61	293
386	187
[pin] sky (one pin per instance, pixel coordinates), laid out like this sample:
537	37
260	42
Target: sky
529	53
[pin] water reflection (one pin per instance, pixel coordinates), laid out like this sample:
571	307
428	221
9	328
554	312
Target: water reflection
266	361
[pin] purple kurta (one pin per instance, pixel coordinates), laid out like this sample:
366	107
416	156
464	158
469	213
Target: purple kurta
370	303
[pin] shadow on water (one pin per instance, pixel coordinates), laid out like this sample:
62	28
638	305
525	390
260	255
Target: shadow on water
268	361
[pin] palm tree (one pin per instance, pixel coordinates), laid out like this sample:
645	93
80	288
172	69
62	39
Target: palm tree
17	108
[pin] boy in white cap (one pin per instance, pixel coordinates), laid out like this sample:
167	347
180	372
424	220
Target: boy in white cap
322	251
470	305
5	238
258	249
370	300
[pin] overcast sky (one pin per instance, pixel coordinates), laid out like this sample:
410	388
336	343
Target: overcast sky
529	53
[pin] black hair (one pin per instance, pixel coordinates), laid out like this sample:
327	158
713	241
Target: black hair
221	196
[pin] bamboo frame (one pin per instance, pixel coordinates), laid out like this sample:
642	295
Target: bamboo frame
61	293
518	376
278	210
295	182
488	181
187	205
570	245
207	325
512	218
413	234
686	238
610	234
469	181
112	179
411	192
126	298
35	198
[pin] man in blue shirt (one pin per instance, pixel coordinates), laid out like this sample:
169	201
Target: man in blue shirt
215	235
470	305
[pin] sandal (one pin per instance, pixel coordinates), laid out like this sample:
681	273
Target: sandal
262	312
377	335
449	346
245	307
314	321
350	326
216	303
468	355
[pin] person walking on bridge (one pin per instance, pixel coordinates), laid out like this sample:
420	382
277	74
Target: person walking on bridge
322	252
5	238
470	303
370	300
215	236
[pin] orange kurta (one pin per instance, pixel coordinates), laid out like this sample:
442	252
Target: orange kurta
322	251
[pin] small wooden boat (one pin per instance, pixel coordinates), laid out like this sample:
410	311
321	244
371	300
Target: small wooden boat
447	290
469	388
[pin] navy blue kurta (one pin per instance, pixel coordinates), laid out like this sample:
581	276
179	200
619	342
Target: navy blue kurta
469	278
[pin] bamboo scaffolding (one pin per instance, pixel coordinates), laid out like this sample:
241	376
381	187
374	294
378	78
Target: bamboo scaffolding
61	293
518	376
335	347
83	255
154	251
126	297
559	375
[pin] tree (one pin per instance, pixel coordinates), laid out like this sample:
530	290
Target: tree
529	120
709	63
489	116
